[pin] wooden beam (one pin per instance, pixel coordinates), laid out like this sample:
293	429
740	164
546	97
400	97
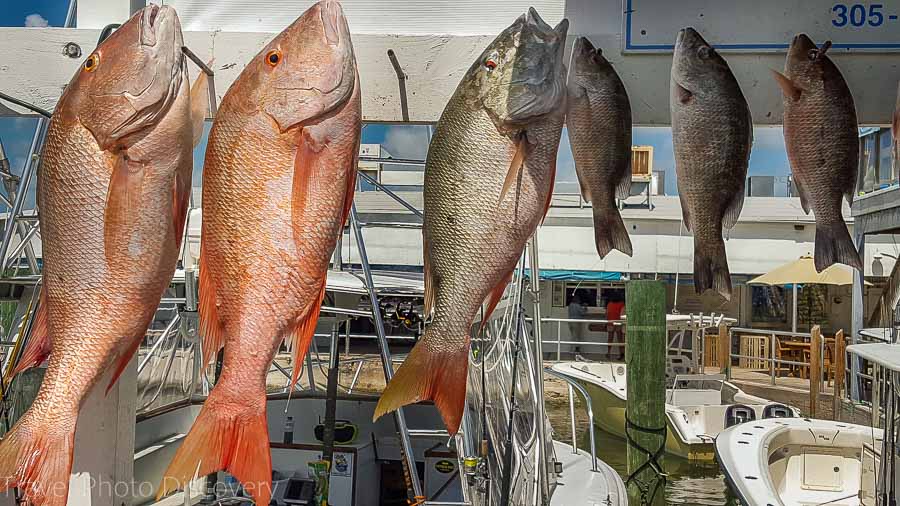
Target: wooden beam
840	371
724	350
815	368
645	406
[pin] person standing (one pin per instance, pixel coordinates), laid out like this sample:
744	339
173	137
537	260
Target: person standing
576	312
614	310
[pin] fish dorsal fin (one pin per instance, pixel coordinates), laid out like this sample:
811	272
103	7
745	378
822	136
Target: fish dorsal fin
429	279
623	189
38	347
199	105
685	213
804	199
787	86
733	212
494	298
683	94
515	166
123	206
302	334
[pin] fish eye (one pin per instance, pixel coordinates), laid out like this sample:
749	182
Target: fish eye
273	57
92	62
706	52
813	54
490	64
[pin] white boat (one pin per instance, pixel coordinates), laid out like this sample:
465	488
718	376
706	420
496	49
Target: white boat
801	461
698	406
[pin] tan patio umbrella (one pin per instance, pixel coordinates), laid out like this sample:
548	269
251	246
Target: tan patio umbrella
803	271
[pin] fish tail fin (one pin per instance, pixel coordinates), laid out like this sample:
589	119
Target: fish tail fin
231	435
610	232
711	268
834	245
429	373
36	456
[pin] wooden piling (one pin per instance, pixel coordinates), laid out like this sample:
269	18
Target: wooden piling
840	370
645	303
815	368
724	349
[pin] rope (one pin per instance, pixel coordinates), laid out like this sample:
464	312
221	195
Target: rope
652	462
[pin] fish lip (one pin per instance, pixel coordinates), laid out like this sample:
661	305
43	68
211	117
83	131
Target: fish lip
154	20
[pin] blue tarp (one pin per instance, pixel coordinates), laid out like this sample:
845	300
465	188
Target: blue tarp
569	275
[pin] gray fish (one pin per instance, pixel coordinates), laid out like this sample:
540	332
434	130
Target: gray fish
822	139
488	180
598	116
712	133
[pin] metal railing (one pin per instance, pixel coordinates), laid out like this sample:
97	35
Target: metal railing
559	342
590	413
772	347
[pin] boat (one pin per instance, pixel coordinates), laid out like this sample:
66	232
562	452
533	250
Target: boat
698	406
797	461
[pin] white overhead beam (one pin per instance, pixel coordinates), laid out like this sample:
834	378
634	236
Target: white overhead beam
34	68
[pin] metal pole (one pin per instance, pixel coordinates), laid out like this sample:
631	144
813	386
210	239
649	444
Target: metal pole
794	310
30	167
772	358
572	418
537	323
386	362
70	14
558	338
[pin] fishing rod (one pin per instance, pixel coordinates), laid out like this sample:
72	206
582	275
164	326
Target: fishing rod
506	480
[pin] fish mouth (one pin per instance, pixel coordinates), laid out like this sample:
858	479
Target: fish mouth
583	47
803	48
156	22
689	37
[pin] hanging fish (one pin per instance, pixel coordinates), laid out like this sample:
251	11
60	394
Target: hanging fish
113	191
277	188
488	182
712	133
822	139
598	118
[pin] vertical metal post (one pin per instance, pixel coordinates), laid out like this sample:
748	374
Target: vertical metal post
539	366
772	357
572	418
31	165
11	183
794	310
558	341
386	362
311	371
856	311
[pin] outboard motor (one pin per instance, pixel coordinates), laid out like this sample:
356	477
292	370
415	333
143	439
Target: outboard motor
778	411
737	414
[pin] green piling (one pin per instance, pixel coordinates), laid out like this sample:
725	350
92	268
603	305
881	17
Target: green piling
645	408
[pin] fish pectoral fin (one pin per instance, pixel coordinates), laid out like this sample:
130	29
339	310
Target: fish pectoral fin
494	298
302	335
515	166
787	86
683	94
733	212
123	206
199	105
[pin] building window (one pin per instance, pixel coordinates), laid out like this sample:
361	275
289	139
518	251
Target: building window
885	168
768	304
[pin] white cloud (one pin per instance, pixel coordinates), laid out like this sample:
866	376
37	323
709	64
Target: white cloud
407	141
36	20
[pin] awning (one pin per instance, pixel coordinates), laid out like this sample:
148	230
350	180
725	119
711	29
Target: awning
570	275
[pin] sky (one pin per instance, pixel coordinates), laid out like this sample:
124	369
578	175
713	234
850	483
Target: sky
402	141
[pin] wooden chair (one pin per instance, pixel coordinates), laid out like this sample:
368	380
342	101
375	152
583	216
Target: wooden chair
785	353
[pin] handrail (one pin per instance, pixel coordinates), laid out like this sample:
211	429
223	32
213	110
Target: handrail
590	412
391	194
162	337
